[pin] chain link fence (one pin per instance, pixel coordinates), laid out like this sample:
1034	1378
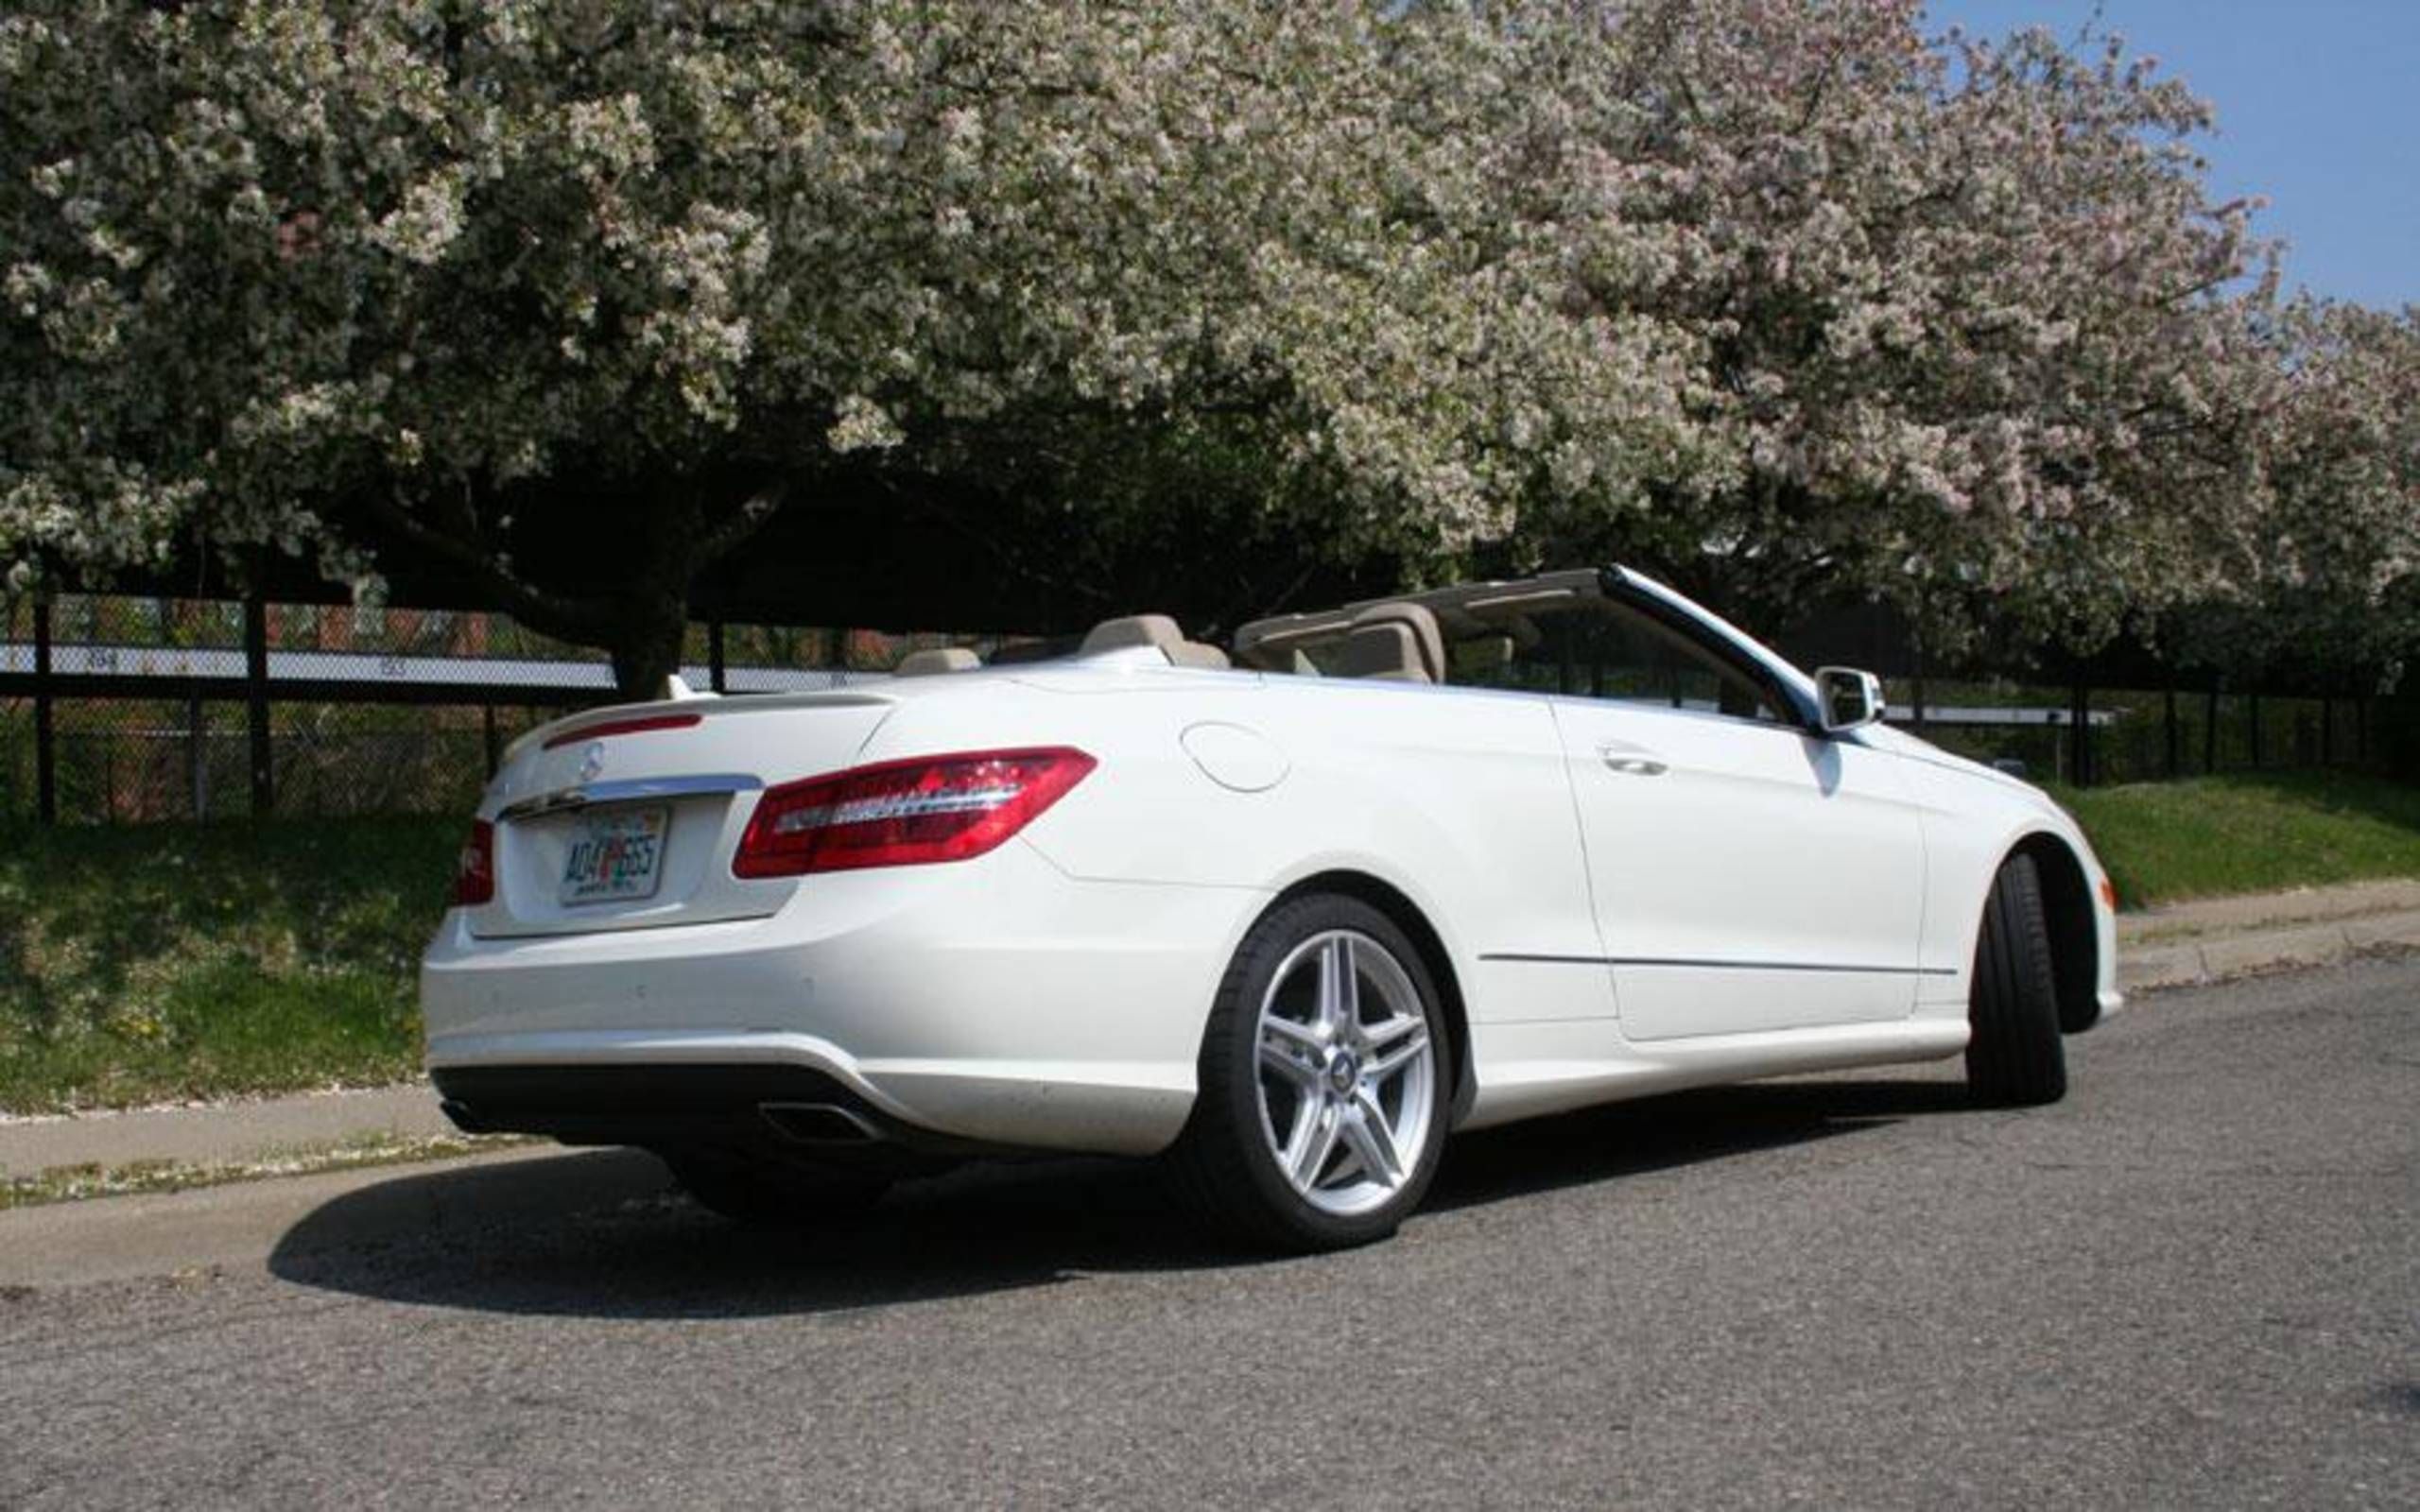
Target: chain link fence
147	706
152	707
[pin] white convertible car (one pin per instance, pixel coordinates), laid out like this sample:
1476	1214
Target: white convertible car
1284	918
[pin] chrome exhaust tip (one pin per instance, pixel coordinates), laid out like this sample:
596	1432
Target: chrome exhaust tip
824	1123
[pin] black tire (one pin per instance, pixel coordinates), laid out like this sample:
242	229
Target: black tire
764	1194
2014	1057
1222	1165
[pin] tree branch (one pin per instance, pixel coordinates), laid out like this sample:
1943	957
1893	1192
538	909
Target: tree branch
547	613
744	522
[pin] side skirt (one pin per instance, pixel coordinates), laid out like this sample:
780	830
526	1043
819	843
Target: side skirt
1526	1069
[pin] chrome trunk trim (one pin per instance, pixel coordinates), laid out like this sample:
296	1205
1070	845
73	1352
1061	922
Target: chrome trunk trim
627	790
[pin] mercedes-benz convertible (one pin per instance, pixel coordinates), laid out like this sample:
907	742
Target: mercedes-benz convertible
1283	914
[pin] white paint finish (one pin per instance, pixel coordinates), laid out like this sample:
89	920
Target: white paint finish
1553	991
1528	1070
1973	818
1456	800
1746	876
766	740
1053	993
1235	757
916	986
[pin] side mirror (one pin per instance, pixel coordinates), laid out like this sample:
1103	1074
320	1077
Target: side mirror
1851	699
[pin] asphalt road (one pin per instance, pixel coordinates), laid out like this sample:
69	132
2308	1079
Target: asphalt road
2196	1282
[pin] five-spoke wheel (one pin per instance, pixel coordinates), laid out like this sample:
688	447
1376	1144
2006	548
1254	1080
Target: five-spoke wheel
1348	1072
1323	1078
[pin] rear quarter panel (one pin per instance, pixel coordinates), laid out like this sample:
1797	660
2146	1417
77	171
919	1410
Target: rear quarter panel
1458	800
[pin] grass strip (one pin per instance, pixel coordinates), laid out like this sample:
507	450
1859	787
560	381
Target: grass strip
2249	832
162	963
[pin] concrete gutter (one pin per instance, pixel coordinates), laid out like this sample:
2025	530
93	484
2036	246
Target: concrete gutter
228	1133
2210	939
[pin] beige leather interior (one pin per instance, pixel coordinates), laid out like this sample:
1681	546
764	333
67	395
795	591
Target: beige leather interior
936	658
1386	651
1197	654
1418	623
1129	633
1153	631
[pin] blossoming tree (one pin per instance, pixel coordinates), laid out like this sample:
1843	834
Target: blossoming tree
474	276
1775	295
1965	330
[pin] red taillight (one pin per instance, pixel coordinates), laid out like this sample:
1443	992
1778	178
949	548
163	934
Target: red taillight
637	725
474	868
905	812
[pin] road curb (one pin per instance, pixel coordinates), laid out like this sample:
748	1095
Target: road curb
248	1224
237	1132
2217	957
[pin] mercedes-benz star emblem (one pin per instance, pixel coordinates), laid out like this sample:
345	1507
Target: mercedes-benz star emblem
592	761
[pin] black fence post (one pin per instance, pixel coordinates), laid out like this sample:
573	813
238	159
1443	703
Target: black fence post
45	748
2254	707
2326	730
256	702
2168	727
714	654
2210	731
2080	736
197	758
490	741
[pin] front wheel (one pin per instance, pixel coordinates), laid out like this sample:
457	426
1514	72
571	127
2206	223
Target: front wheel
1323	1082
2015	1057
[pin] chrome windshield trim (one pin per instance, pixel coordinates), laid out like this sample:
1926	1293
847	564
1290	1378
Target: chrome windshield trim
627	790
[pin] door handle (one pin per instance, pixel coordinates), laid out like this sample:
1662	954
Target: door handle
1631	761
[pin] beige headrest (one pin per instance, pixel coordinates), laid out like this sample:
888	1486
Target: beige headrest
1151	630
1417	621
1134	631
1385	652
936	658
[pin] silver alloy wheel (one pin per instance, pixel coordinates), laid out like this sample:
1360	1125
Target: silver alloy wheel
1347	1074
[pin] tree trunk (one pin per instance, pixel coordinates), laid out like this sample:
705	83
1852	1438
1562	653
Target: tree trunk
646	642
650	616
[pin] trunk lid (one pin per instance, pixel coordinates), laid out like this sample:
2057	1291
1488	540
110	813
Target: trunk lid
628	818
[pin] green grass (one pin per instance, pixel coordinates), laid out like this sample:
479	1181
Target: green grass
2249	832
145	964
160	962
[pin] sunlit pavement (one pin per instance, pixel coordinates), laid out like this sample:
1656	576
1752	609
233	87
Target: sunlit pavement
2196	1282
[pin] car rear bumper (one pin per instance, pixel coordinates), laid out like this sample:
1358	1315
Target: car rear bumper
991	1004
778	1111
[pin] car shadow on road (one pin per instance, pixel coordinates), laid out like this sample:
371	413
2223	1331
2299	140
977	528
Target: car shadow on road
1683	1128
605	1233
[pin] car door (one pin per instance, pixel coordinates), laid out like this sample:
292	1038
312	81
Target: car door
1747	875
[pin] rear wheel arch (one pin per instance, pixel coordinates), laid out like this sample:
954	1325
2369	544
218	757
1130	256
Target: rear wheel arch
2068	908
1406	916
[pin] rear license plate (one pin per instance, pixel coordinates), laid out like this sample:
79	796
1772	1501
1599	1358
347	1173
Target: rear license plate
616	856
